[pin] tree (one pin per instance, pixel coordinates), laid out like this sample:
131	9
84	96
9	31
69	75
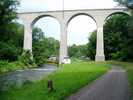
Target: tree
37	34
130	26
43	47
12	48
117	39
10	32
77	51
116	36
7	15
91	46
123	2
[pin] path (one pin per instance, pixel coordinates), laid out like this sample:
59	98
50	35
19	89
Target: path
19	77
111	86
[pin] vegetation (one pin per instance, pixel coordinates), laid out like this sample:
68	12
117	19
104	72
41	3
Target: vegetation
67	79
11	42
6	66
43	47
91	46
27	58
84	52
130	26
77	51
117	39
123	2
129	68
10	32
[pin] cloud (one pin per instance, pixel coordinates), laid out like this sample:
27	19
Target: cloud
37	5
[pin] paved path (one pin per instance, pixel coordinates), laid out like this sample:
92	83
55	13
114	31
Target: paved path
19	77
111	86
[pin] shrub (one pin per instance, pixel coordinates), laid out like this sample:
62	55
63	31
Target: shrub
3	66
6	66
27	59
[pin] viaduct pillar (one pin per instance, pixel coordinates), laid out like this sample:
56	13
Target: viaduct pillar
27	36
100	44
63	42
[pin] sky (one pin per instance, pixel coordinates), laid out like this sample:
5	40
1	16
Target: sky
41	5
51	27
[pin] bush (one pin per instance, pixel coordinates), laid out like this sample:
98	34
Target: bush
40	60
8	52
6	66
119	55
3	66
27	59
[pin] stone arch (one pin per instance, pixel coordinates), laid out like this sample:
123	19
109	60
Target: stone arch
50	17
108	18
75	29
42	16
78	14
119	12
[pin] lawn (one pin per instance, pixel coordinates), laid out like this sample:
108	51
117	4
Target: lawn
129	68
67	80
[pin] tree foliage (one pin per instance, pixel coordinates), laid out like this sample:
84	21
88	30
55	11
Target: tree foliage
77	51
7	15
130	28
37	34
10	32
91	46
115	36
123	2
43	47
117	39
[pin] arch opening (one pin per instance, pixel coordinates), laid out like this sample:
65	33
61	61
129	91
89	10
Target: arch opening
115	33
80	14
116	13
46	38
80	29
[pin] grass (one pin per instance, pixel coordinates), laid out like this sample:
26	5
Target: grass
67	80
6	66
128	66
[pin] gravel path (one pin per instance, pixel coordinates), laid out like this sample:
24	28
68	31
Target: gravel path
18	78
111	86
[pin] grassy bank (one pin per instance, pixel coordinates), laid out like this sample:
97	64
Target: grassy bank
67	80
6	66
129	68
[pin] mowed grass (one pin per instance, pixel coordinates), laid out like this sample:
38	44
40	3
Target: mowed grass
128	66
67	80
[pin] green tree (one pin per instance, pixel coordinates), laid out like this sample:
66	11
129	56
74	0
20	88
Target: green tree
12	48
130	28
91	46
77	51
37	34
43	47
115	36
72	50
116	39
10	32
123	2
7	15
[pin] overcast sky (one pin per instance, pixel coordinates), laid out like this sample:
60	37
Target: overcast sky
76	33
35	5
